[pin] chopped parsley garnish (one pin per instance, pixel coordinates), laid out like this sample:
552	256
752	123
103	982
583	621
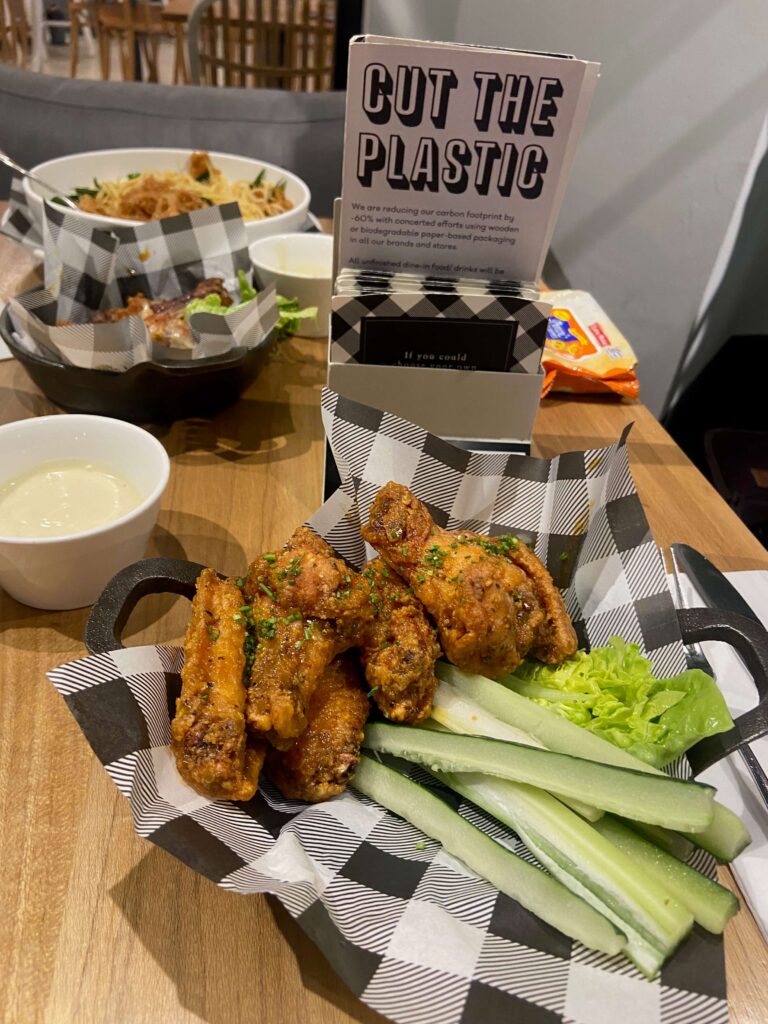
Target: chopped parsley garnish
499	545
292	570
213	634
266	628
405	550
249	649
435	556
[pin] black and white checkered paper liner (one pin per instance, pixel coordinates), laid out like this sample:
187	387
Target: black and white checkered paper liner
410	930
18	223
349	311
87	269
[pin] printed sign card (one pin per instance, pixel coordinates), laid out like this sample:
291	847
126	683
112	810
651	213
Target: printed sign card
456	157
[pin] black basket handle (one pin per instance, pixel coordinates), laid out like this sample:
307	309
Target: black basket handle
750	639
103	631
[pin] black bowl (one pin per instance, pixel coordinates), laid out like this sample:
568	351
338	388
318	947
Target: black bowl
147	392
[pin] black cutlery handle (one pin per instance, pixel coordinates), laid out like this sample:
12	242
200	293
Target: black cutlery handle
751	641
103	631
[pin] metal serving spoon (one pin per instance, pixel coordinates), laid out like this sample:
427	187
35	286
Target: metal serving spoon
4	158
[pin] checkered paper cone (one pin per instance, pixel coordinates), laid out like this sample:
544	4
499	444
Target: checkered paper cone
410	930
88	269
18	223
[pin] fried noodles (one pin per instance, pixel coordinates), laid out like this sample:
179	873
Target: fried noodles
153	195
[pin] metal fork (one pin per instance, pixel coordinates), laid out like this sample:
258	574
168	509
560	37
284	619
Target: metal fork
64	200
696	658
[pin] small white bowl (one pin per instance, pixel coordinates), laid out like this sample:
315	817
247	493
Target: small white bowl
71	571
79	169
301	265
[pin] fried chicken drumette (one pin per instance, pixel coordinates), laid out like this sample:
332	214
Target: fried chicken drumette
213	753
308	607
399	649
323	759
556	637
488	610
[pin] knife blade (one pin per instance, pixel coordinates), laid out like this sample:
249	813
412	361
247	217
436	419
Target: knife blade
715	588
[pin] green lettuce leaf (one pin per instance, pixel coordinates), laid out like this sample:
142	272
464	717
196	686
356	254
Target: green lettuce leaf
612	692
289	314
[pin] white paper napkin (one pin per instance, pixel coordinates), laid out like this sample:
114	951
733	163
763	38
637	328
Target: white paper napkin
731	777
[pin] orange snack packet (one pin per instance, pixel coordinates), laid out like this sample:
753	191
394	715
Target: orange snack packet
584	350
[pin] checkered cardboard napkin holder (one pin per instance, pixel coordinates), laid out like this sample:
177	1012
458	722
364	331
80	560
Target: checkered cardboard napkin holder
359	303
408	928
88	269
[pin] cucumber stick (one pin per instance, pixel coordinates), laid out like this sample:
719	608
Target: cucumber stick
586	863
532	888
459	714
725	837
660	801
712	905
673	843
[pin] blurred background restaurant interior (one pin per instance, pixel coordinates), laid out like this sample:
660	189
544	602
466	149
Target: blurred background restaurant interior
665	220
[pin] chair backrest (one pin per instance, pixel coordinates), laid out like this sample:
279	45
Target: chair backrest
44	117
267	44
138	15
14	33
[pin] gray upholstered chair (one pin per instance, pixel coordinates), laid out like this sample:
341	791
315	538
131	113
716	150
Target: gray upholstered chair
45	117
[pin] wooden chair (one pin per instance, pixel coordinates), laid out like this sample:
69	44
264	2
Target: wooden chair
82	18
268	44
14	33
136	26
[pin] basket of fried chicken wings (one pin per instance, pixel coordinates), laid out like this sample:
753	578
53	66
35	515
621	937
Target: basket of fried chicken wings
444	723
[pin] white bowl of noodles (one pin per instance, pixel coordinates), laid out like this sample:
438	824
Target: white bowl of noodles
279	203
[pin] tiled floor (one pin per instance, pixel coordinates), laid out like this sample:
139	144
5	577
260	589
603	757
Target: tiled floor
57	62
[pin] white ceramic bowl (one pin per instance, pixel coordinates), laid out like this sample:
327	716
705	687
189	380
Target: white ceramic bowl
79	169
301	265
71	571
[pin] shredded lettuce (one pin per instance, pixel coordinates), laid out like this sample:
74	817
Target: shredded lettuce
611	691
290	315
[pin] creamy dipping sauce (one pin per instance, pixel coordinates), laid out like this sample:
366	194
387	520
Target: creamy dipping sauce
314	268
59	498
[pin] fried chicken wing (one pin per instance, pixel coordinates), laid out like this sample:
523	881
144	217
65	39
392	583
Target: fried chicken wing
212	751
323	759
165	318
399	648
308	607
486	608
556	637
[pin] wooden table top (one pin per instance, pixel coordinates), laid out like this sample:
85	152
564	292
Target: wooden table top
100	926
